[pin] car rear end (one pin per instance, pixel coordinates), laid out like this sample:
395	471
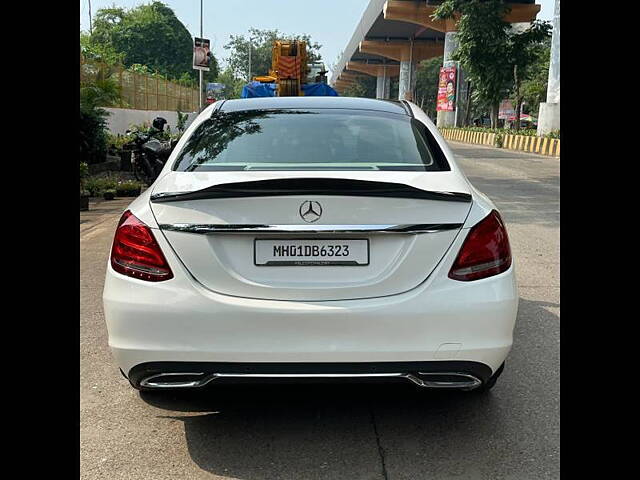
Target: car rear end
259	254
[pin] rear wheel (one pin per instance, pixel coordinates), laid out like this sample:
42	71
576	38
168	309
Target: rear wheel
489	384
141	173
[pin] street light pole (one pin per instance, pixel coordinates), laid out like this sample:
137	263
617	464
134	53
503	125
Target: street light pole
249	80
90	21
200	71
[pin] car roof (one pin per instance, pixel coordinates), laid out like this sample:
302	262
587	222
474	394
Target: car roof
352	103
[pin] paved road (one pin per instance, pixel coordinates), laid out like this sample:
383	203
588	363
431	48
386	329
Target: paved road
342	432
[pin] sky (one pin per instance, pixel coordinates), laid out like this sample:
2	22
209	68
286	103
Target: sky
329	22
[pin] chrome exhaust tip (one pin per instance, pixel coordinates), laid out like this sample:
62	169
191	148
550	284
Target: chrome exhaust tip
462	381
177	380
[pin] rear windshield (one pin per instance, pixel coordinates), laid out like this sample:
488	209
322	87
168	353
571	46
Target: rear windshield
328	139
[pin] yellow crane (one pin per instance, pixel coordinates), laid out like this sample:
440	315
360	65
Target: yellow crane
289	68
290	74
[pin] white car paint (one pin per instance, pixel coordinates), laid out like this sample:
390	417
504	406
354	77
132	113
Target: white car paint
219	307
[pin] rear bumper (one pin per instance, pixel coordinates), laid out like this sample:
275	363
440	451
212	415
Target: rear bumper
181	321
174	375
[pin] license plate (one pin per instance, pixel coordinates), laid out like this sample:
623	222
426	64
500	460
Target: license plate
329	252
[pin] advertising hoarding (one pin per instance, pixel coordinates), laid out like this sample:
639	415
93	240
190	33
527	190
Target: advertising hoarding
201	52
446	90
506	111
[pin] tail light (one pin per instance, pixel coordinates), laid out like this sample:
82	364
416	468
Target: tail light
485	252
136	252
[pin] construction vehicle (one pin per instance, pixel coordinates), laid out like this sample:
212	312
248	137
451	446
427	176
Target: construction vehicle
290	75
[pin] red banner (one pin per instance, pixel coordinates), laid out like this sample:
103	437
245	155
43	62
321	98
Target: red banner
447	90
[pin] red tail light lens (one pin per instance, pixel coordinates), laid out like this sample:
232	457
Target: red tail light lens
136	252
485	252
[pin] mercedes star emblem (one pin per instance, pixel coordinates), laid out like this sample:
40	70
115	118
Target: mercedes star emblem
310	211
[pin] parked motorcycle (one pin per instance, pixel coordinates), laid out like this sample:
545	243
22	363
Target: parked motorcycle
148	152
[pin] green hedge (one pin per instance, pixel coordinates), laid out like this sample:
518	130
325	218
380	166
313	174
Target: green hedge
96	186
93	137
507	131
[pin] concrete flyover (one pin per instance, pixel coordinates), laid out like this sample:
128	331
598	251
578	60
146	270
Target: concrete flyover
394	36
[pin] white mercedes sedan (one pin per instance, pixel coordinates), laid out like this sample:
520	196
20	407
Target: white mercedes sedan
299	238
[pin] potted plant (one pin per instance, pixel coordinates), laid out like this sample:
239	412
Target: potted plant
84	195
120	145
109	194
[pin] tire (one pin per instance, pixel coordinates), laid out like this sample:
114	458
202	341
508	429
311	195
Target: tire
157	169
489	384
140	173
137	168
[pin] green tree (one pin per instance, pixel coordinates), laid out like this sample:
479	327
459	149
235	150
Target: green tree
102	92
232	84
182	121
261	51
483	49
364	86
524	50
150	35
93	137
534	87
99	52
496	58
427	75
97	90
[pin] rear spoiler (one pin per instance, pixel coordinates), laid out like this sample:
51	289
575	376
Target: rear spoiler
310	186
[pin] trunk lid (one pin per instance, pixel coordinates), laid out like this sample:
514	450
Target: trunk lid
193	207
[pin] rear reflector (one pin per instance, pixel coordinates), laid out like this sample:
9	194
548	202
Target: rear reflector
136	253
485	252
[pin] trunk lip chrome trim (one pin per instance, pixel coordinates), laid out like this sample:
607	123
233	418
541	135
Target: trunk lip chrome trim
252	229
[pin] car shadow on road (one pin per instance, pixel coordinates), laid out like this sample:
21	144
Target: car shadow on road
302	431
362	430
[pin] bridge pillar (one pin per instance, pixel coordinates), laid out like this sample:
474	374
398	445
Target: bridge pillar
448	119
383	87
407	80
409	53
383	74
549	114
